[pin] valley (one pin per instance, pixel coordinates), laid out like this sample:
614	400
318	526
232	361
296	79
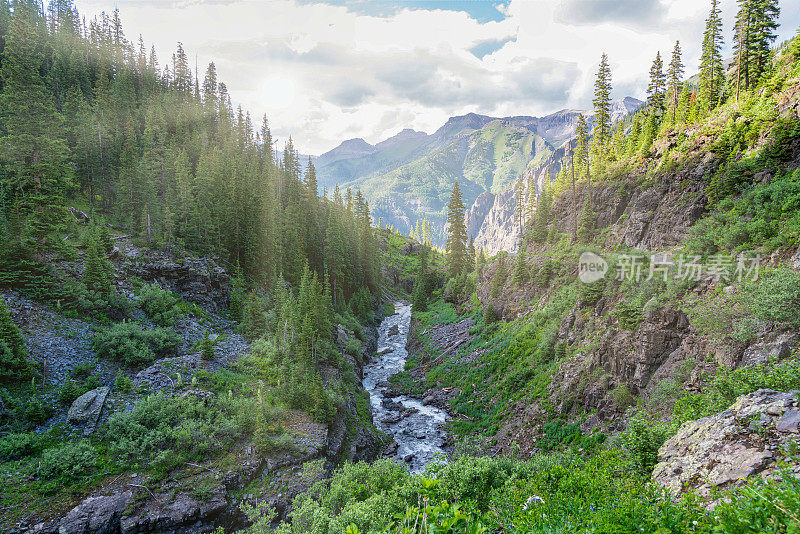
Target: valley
584	322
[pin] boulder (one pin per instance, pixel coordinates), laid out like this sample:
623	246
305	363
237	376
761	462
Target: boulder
394	331
384	350
724	449
766	351
96	515
86	408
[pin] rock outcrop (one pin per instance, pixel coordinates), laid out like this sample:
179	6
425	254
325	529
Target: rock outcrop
721	450
85	410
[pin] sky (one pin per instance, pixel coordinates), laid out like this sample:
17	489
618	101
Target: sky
326	71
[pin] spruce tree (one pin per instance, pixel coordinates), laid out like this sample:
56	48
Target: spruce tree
586	227
97	274
34	153
542	217
655	90
456	234
582	144
602	102
13	365
712	74
674	78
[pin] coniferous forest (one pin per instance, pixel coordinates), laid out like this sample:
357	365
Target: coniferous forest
198	334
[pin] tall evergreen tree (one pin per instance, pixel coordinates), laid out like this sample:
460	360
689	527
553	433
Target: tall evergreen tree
655	90
674	78
602	102
33	150
456	233
712	74
582	144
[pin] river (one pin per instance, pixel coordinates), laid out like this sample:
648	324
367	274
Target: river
416	429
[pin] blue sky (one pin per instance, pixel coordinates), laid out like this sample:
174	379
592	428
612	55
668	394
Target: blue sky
480	10
326	71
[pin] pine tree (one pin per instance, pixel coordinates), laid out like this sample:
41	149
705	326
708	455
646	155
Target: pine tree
582	144
542	217
471	256
13	365
586	228
456	234
602	102
766	13
97	274
520	275
655	90
674	78
712	74
34	153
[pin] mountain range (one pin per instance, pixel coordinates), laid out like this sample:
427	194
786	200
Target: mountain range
410	176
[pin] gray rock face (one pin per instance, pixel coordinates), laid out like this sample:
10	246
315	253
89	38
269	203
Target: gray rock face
723	449
766	351
86	408
95	515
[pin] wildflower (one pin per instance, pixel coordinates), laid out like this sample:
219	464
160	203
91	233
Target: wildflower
533	499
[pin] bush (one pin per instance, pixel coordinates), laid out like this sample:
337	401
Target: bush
71	390
69	462
37	411
123	383
129	343
163	431
16	446
642	439
160	305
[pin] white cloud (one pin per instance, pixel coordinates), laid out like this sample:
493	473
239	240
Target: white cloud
323	73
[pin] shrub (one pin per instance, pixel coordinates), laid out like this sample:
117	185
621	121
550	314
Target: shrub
163	431
160	305
98	271
69	462
123	383
642	439
16	446
206	346
129	343
37	411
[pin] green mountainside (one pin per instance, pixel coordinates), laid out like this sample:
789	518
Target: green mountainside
409	176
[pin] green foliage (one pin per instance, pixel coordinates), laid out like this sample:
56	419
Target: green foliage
642	439
363	495
69	462
98	272
361	305
71	390
20	445
774	296
133	345
123	383
37	410
162	432
728	384
160	305
13	352
255	316
206	346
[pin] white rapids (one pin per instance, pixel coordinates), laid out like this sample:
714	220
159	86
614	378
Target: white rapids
419	435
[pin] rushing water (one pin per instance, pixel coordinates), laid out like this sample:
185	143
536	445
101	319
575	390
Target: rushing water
415	428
